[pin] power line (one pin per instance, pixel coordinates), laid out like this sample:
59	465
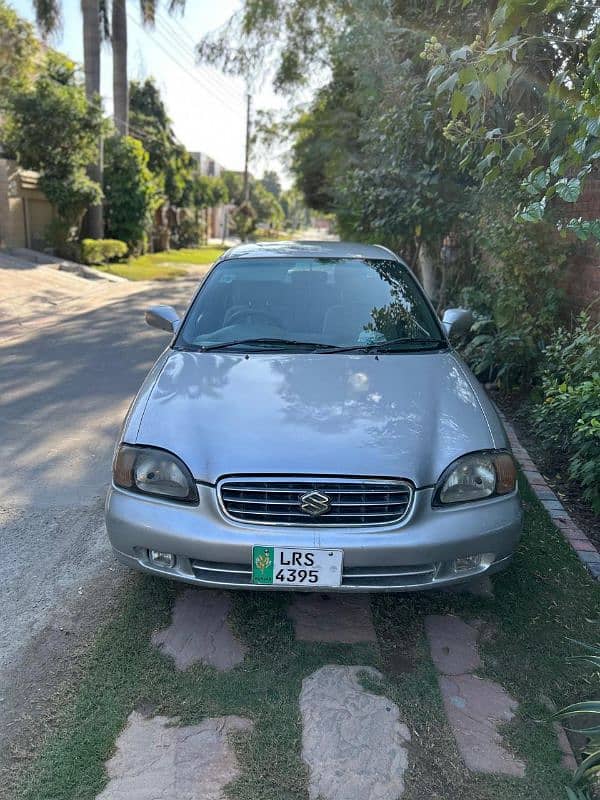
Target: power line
184	32
186	70
164	44
247	157
174	25
138	132
173	37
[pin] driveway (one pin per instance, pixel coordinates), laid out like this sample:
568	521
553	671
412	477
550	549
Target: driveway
67	380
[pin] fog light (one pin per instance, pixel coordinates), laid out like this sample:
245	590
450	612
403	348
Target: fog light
470	563
162	559
466	563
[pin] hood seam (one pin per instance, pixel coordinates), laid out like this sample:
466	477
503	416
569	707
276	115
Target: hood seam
475	394
151	389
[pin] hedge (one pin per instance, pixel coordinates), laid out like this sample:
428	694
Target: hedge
99	251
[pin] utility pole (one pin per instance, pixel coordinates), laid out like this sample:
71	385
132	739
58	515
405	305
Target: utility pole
246	181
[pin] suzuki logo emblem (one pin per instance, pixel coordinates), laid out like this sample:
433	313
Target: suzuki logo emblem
315	503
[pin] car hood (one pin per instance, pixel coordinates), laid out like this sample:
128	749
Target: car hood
400	415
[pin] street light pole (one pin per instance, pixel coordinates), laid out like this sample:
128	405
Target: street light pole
246	181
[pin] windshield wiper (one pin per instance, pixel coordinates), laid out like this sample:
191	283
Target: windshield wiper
264	341
382	347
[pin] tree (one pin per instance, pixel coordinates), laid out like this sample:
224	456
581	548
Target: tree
168	159
130	191
294	208
120	81
325	139
19	52
234	182
272	183
244	220
119	46
294	34
59	151
90	10
206	192
525	100
263	206
267	208
48	19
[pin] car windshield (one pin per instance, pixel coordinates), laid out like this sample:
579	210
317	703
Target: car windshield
314	304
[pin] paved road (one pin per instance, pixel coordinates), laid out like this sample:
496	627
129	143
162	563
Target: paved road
64	391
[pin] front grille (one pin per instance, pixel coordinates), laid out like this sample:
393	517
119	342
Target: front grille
350	502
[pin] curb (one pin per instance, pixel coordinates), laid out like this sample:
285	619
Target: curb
84	271
584	548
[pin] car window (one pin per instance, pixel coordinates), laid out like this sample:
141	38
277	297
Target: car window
336	301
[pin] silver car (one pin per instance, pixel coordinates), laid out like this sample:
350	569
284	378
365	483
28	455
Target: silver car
310	427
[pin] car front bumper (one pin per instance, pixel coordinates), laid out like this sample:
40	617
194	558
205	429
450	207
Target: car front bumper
417	553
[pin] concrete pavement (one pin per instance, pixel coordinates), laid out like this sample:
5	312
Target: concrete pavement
66	385
35	294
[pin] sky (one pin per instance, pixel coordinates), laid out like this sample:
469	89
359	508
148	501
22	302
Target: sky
208	109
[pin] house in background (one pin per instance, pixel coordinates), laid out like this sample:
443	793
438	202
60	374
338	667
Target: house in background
25	212
216	217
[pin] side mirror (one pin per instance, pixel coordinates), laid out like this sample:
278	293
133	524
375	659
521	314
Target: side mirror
457	320
165	318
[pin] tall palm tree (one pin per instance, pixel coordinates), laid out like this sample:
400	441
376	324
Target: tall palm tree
120	80
47	14
148	10
90	10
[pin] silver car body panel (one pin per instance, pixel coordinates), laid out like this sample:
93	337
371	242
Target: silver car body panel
405	415
425	536
397	416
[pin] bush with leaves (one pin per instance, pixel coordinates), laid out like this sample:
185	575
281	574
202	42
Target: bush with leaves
588	711
130	190
567	417
100	251
517	296
19	52
524	99
59	150
244	220
188	233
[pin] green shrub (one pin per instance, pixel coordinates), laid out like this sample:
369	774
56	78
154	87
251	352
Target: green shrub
567	416
100	251
506	356
516	273
60	236
189	233
131	191
586	713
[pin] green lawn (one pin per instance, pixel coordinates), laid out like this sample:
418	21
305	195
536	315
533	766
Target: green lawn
542	600
164	266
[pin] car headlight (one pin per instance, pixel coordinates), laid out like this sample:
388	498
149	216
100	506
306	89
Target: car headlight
154	472
475	477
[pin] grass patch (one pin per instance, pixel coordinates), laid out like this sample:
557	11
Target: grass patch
198	256
544	598
165	266
135	272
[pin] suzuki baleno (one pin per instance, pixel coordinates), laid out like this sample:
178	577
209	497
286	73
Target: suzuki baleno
310	427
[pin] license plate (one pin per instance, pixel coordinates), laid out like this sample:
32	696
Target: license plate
295	566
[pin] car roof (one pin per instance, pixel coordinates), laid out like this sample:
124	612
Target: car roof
309	249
